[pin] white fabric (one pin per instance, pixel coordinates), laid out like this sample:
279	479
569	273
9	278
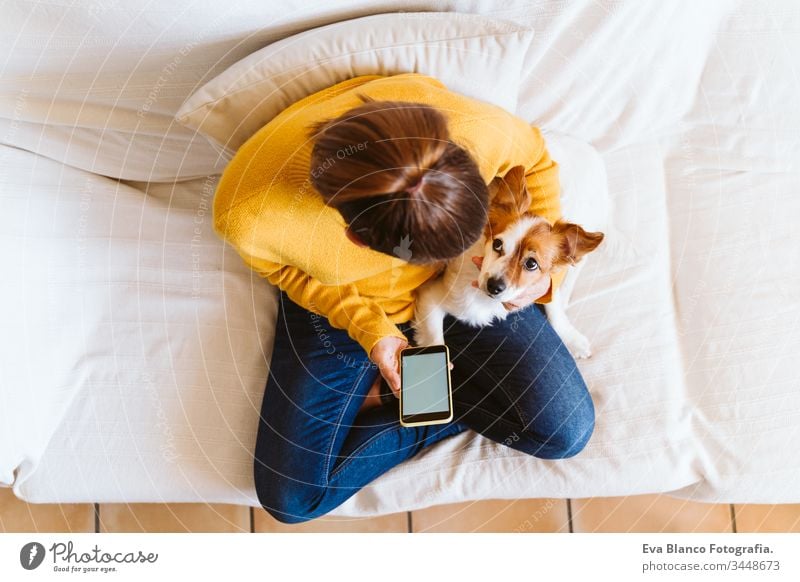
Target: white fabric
473	55
691	303
141	340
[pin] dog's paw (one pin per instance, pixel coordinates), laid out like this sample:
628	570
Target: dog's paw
578	345
426	337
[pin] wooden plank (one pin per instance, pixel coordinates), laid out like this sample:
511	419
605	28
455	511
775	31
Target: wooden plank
173	517
768	518
391	523
497	515
17	516
649	513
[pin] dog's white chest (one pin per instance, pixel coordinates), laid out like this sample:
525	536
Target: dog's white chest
453	293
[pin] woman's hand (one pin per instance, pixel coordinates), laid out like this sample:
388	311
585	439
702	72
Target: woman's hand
530	295
386	355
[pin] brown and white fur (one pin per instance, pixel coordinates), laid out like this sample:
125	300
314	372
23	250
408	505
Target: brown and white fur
518	249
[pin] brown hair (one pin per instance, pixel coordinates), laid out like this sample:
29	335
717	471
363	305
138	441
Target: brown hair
403	187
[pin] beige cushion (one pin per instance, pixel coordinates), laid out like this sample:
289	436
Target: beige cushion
477	56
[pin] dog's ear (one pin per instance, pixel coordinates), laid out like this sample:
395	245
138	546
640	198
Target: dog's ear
510	192
574	242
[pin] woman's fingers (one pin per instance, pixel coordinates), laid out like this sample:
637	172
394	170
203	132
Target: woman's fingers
478	262
386	355
392	379
533	293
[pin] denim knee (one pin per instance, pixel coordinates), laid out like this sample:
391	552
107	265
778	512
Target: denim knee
290	505
287	500
561	438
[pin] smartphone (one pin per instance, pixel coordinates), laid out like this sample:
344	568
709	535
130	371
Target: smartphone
425	393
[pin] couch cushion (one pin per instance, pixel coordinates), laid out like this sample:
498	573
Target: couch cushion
477	56
140	341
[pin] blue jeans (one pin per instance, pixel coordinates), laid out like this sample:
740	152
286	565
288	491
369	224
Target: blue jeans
513	382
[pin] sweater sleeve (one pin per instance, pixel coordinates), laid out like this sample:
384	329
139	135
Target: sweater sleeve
343	305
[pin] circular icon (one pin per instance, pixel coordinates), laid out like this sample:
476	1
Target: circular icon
31	555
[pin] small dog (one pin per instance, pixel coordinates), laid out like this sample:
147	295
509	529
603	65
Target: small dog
518	249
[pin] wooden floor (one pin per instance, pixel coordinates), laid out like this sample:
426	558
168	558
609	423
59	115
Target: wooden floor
650	513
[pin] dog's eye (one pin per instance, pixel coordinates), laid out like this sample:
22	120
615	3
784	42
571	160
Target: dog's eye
531	264
497	244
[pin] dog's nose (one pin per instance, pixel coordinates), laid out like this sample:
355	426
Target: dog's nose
495	286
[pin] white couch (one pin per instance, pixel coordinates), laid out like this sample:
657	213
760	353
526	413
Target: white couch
135	344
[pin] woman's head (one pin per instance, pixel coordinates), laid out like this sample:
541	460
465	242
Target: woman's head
402	186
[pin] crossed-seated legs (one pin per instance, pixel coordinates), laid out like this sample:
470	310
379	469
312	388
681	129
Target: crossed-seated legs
514	382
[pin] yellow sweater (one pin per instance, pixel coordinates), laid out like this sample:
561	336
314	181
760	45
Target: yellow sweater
266	207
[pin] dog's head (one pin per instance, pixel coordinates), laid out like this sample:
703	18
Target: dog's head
522	247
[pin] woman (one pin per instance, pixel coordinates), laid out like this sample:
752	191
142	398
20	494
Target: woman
348	201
